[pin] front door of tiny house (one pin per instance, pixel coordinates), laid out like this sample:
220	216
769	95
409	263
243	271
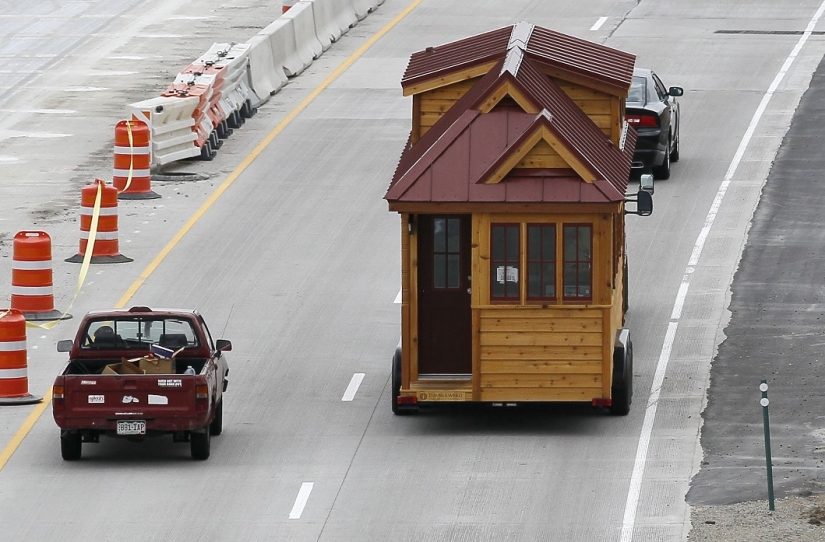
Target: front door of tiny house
444	317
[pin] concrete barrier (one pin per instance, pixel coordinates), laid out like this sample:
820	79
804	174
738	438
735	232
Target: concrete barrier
326	27
265	77
303	23
282	38
344	13
362	8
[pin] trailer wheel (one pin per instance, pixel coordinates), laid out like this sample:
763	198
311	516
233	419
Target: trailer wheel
395	381
199	444
216	427
622	390
71	445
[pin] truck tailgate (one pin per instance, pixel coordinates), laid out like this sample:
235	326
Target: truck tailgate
101	400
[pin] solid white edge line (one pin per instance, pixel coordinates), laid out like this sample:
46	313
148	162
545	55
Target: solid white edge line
598	24
634	490
398	297
352	389
301	500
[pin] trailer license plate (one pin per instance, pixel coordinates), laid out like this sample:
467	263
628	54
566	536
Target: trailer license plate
131	427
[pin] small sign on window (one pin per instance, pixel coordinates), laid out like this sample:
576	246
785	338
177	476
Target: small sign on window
506	272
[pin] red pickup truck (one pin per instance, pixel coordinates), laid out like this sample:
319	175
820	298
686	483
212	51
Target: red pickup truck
136	373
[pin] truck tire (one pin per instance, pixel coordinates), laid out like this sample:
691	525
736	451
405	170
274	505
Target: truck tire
71	445
199	444
216	427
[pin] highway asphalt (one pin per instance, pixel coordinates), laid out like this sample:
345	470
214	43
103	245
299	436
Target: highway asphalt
776	333
296	260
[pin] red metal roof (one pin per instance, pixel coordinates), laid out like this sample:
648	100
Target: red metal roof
465	53
452	161
548	48
455	168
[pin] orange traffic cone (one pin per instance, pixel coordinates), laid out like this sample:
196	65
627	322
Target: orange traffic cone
105	249
31	277
133	160
14	379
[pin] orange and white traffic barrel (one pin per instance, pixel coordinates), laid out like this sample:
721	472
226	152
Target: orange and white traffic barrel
133	160
105	247
14	377
288	4
31	276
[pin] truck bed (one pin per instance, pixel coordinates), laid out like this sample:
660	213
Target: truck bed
96	366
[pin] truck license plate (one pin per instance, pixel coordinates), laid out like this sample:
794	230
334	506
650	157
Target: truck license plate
131	427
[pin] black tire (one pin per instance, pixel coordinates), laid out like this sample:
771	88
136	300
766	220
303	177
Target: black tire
71	445
674	152
622	392
216	427
199	444
663	171
395	381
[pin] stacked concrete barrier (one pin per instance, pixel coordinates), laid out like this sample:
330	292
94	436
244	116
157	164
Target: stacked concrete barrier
236	96
185	86
171	123
229	82
227	62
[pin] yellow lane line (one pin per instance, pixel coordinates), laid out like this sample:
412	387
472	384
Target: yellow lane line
24	429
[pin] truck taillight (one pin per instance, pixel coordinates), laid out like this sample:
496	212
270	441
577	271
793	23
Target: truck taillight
201	397
407	400
58	399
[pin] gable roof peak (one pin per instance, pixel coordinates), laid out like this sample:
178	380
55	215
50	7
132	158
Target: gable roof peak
545	114
520	35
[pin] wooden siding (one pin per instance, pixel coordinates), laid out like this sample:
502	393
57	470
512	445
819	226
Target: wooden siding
542	156
601	107
434	103
541	354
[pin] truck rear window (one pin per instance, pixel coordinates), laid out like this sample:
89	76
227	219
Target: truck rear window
139	333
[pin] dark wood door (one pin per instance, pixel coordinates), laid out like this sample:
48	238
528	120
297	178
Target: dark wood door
444	323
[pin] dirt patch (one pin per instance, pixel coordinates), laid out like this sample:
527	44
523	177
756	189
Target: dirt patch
798	519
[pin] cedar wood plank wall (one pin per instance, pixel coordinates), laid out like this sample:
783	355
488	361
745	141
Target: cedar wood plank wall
605	110
551	352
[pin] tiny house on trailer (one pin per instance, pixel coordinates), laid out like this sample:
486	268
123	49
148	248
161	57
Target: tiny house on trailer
511	191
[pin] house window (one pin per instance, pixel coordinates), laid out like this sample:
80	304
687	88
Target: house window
553	255
504	261
541	261
446	268
578	240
